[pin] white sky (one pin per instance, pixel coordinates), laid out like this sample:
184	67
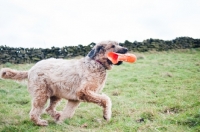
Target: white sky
47	23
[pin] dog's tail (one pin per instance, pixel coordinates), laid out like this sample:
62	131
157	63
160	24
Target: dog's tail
8	73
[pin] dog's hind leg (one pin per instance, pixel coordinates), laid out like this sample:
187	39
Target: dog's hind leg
51	108
39	100
69	110
102	100
37	108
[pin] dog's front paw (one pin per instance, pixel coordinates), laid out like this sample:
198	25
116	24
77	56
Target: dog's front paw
106	118
107	108
107	115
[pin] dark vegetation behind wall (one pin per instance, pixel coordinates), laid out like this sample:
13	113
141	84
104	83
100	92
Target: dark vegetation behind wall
31	55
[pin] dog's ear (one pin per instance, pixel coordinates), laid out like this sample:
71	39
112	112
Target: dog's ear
91	54
94	51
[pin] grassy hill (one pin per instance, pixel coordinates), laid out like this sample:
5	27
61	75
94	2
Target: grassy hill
160	92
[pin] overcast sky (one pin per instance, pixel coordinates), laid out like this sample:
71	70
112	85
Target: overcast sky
47	23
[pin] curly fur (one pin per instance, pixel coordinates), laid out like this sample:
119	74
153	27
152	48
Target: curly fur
73	80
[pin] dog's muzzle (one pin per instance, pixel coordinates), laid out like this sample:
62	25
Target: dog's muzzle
121	51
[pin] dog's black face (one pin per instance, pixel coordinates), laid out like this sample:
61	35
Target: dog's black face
100	51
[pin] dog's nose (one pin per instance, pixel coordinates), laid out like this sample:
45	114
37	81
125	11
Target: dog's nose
125	50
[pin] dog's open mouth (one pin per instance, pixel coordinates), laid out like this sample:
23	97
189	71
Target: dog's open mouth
113	58
117	58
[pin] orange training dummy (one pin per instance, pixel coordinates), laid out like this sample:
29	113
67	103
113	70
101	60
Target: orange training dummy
115	57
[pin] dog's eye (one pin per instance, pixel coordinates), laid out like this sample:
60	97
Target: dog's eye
113	46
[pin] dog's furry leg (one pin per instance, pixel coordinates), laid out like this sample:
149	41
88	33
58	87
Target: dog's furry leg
37	108
51	109
107	107
68	111
39	100
102	100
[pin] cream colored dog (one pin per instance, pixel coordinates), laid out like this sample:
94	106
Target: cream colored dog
73	80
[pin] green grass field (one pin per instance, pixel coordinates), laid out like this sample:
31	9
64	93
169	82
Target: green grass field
158	93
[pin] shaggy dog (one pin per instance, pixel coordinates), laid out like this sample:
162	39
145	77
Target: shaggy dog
73	80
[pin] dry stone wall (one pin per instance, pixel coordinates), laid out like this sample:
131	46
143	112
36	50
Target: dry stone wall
32	55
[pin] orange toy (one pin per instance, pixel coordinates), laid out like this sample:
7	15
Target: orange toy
115	57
